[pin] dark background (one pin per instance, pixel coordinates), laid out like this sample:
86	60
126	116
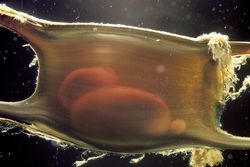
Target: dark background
185	17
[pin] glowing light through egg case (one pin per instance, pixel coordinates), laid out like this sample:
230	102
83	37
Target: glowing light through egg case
128	90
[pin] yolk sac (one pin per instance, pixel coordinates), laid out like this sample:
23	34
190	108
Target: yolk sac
83	80
102	109
178	126
120	115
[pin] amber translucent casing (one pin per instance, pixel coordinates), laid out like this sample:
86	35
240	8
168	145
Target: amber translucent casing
119	88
